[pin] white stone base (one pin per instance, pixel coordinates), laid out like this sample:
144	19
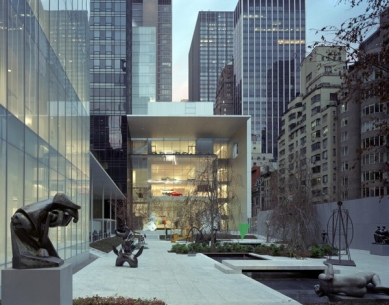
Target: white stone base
43	286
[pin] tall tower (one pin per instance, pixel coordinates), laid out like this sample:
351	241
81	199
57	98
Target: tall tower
269	40
158	14
210	51
110	91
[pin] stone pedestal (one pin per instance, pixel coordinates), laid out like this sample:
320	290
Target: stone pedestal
379	249
43	286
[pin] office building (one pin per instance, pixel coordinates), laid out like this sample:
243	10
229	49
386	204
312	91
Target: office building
158	14
269	44
225	91
308	140
110	88
44	116
143	68
130	66
210	51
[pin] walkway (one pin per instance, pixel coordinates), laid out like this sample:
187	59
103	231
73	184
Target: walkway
194	280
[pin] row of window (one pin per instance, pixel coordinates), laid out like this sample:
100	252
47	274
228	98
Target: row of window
374	108
374	158
373	124
371	176
373	141
375	191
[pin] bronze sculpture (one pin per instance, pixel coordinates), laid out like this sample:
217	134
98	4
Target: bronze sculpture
31	246
351	285
125	253
377	233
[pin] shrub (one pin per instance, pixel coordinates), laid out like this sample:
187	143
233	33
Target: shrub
315	252
275	251
262	249
180	248
175	247
328	250
236	247
220	248
248	248
206	249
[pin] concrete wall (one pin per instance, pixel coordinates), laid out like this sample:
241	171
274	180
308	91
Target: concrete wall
366	214
241	168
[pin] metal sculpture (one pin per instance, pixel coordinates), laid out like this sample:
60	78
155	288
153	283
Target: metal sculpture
340	235
351	285
31	246
127	247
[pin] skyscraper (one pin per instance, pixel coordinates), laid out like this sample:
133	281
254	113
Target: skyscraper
110	43
117	89
210	51
269	44
158	14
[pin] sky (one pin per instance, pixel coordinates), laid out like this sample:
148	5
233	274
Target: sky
319	13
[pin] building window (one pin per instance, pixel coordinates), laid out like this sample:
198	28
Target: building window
344	136
327	69
344	122
309	77
325	141
344	166
343	108
325	179
344	151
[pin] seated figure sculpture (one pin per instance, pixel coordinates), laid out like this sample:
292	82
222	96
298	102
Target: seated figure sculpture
384	235
350	285
377	233
31	246
125	253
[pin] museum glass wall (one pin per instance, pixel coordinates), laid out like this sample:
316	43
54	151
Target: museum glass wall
169	174
44	115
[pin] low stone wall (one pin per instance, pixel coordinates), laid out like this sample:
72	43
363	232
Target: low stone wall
366	214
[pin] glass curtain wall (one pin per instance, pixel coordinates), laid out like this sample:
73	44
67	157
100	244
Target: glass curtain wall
269	44
167	173
210	51
110	86
44	114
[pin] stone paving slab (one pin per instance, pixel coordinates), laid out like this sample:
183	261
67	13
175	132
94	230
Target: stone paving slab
173	278
196	280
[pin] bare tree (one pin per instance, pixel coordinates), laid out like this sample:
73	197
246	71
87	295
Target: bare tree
212	202
294	219
120	211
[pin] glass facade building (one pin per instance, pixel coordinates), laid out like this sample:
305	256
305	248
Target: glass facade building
44	114
143	68
116	90
158	14
110	43
269	40
210	51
